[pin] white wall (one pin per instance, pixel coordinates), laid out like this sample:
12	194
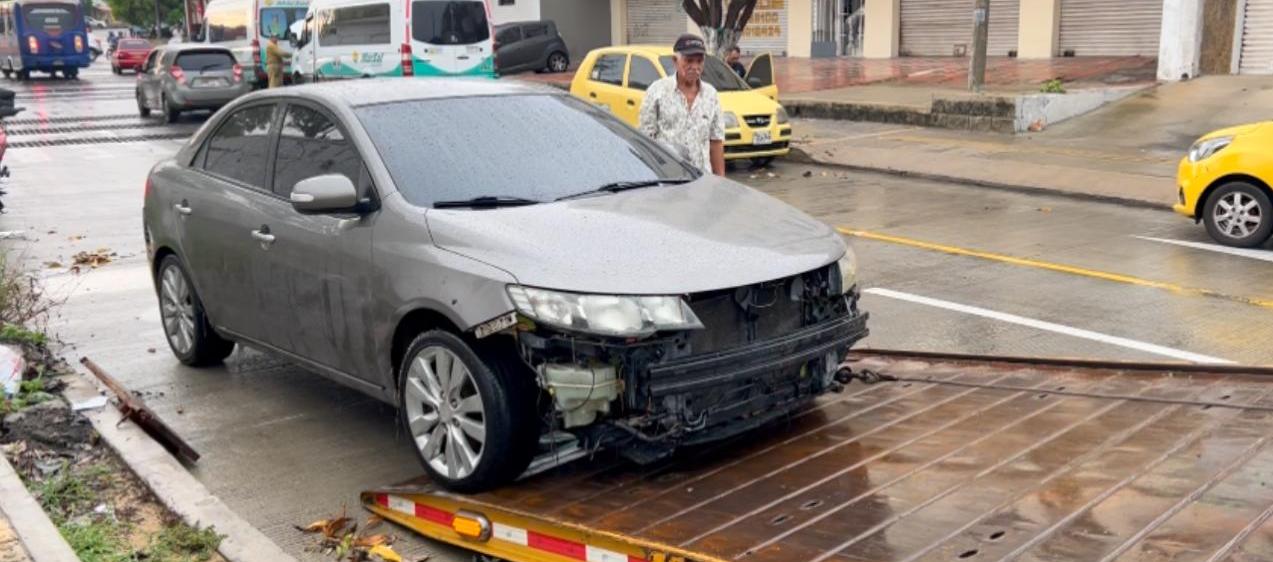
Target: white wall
1180	45
521	10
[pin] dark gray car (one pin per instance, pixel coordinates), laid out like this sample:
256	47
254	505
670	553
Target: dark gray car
184	77
530	45
526	277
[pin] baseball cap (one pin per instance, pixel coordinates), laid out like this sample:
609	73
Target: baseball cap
689	44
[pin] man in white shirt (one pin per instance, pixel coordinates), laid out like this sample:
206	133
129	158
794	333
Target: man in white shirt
684	112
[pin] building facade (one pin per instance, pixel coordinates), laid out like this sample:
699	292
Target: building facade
1189	37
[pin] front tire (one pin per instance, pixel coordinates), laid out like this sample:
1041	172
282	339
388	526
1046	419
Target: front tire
1239	214
470	414
186	326
141	106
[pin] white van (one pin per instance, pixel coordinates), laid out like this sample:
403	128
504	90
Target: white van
366	38
245	26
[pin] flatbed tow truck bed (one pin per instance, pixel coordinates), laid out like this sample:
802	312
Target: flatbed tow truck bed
960	458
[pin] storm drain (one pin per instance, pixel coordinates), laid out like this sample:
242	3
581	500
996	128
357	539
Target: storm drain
97	140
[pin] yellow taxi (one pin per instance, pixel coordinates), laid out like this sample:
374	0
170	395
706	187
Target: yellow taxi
1224	183
756	126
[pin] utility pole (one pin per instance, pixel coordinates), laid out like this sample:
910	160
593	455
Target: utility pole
980	36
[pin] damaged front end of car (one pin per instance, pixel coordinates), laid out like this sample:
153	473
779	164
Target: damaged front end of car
645	375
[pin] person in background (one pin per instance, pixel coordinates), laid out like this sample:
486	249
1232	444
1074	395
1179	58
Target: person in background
112	40
274	59
683	111
731	59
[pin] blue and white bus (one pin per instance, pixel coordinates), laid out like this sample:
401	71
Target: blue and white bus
42	36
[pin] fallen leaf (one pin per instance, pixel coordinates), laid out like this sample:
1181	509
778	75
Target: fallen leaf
384	552
808	174
373	522
52	264
370	541
1045	209
150	350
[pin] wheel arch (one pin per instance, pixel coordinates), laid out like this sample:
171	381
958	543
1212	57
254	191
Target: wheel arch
1206	193
415	322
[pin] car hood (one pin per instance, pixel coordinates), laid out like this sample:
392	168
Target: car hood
1234	131
747	103
706	235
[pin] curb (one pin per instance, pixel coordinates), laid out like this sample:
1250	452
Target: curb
171	483
798	155
41	539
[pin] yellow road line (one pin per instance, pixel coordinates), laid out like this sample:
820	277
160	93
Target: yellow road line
1050	266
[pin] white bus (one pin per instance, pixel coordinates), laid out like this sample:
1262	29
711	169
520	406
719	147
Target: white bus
245	26
369	38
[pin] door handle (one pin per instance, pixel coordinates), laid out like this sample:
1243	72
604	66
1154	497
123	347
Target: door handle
592	95
632	103
263	236
182	208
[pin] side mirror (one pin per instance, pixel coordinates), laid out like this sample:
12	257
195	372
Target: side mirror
755	82
327	193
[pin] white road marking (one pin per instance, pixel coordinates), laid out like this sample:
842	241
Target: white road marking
1049	326
1262	255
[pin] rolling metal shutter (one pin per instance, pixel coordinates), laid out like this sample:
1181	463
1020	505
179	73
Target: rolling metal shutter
766	31
655	22
1257	38
932	28
1005	17
1105	28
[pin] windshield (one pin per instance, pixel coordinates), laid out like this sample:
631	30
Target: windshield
715	72
486	152
50	18
453	22
277	22
205	60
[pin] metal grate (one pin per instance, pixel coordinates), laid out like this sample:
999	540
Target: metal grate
99	140
138	124
39	120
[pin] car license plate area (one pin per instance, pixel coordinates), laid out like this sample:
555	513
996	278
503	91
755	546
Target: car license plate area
761	137
209	83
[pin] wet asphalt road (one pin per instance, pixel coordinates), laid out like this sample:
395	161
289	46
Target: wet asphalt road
946	268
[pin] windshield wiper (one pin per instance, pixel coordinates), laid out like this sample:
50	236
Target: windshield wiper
486	201
615	187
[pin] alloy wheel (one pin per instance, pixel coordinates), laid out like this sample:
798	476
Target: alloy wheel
176	307
557	63
445	412
1238	215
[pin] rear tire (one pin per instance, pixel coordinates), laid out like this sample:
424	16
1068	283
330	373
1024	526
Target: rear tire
558	62
186	326
494	398
117	70
171	114
8	74
24	75
141	106
1239	214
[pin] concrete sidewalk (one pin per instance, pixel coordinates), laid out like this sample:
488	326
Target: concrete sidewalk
1125	152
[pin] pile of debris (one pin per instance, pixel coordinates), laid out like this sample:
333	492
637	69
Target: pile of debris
340	537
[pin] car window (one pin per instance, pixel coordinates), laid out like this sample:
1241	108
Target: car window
240	147
536	30
311	145
509	36
715	72
642	73
487	153
355	25
454	22
196	61
609	69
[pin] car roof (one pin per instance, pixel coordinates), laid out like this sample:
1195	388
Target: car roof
651	50
373	91
180	47
507	25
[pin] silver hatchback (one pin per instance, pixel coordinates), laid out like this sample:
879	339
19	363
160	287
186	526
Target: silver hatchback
526	277
188	76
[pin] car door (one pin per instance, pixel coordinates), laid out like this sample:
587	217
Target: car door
509	40
319	265
642	72
222	217
536	48
760	76
604	87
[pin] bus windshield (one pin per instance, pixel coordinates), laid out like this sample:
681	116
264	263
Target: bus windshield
277	22
454	22
50	18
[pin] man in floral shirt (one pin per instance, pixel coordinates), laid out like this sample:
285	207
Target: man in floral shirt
684	113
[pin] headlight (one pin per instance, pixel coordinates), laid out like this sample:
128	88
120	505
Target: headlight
608	315
848	271
731	120
782	116
1202	150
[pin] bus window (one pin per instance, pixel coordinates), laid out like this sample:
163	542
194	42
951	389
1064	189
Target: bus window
458	22
277	22
50	18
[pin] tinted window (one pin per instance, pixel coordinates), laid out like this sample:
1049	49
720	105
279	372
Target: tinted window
609	69
487	155
715	72
310	145
509	35
50	18
134	45
536	30
205	60
355	25
277	22
642	73
240	148
450	22
227	25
